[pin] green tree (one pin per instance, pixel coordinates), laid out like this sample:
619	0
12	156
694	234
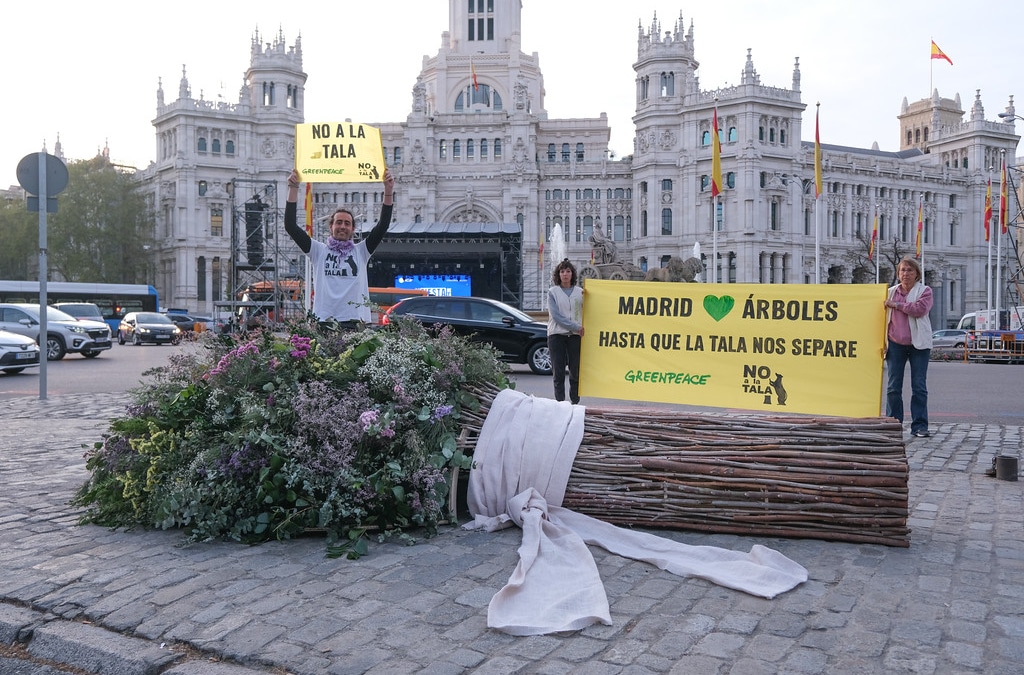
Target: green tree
103	229
19	232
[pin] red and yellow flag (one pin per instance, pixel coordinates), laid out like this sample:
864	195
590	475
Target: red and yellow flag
472	71
817	156
309	209
1004	201
920	227
874	238
988	208
939	54
716	157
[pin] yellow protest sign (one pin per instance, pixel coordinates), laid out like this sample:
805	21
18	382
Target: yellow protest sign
772	348
338	152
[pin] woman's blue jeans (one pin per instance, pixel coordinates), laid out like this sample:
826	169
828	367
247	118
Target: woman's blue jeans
896	358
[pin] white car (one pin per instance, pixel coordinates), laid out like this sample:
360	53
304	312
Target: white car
17	353
64	334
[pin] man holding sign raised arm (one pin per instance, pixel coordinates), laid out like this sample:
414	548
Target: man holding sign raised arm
341	289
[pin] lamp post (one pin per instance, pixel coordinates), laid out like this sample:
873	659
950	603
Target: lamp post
1009	116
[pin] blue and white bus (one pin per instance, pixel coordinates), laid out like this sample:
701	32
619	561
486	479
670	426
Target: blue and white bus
114	300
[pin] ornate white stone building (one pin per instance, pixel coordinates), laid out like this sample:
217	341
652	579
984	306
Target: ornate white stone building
485	176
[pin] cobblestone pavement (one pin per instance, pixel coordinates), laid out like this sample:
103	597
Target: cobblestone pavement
126	602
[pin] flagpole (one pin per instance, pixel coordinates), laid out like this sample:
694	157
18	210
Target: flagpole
818	190
999	240
714	239
874	241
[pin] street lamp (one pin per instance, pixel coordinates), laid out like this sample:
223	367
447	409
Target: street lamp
1009	116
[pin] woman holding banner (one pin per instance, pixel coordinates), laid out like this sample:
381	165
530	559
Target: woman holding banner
341	287
565	329
909	335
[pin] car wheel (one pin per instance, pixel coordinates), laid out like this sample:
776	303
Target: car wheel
959	345
90	354
136	340
120	338
539	359
55	350
13	371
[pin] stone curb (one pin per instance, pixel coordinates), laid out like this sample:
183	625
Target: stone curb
81	646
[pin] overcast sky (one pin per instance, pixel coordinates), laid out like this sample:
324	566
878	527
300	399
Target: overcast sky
88	71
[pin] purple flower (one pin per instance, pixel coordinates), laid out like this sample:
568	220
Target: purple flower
440	412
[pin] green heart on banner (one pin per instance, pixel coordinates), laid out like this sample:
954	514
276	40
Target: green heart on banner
718	307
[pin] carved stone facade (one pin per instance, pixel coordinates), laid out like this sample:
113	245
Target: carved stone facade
487	152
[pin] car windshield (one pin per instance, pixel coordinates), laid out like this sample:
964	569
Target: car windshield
54	314
82	311
518	314
151	317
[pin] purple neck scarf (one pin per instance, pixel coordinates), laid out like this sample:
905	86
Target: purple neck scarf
343	248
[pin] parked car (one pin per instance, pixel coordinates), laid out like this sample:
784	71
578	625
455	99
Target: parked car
17	352
81	310
141	327
184	322
953	337
64	333
516	336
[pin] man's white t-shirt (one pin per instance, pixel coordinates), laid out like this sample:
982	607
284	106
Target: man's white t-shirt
340	284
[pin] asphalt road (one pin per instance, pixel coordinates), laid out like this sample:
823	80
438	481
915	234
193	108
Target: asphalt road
978	393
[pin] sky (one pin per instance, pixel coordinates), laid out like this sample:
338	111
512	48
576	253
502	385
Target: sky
88	73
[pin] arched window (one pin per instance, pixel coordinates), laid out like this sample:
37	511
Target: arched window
497	148
730	179
704	182
456	149
398	155
771	135
666	221
565	152
910	137
201	145
551	152
760	134
579	152
732	134
216	145
442	149
469	148
666	185
705	139
229	147
782	136
483	148
926	134
917	135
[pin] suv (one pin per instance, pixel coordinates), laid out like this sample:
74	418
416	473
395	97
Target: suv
64	333
517	336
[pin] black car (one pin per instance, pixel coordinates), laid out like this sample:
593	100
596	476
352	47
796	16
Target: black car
140	327
186	323
516	335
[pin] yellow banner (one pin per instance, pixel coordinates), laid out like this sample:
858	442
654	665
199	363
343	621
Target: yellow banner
772	348
339	152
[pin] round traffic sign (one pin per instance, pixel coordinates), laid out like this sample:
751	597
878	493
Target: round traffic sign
56	174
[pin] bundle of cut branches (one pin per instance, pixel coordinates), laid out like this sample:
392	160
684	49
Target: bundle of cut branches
832	478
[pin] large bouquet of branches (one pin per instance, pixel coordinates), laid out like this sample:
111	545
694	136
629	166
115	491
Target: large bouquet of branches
270	434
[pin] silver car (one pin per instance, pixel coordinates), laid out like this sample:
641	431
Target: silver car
951	337
64	333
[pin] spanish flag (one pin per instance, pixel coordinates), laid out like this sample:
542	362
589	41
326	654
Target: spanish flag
309	209
817	155
988	208
939	54
716	157
920	227
472	70
874	238
1004	201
